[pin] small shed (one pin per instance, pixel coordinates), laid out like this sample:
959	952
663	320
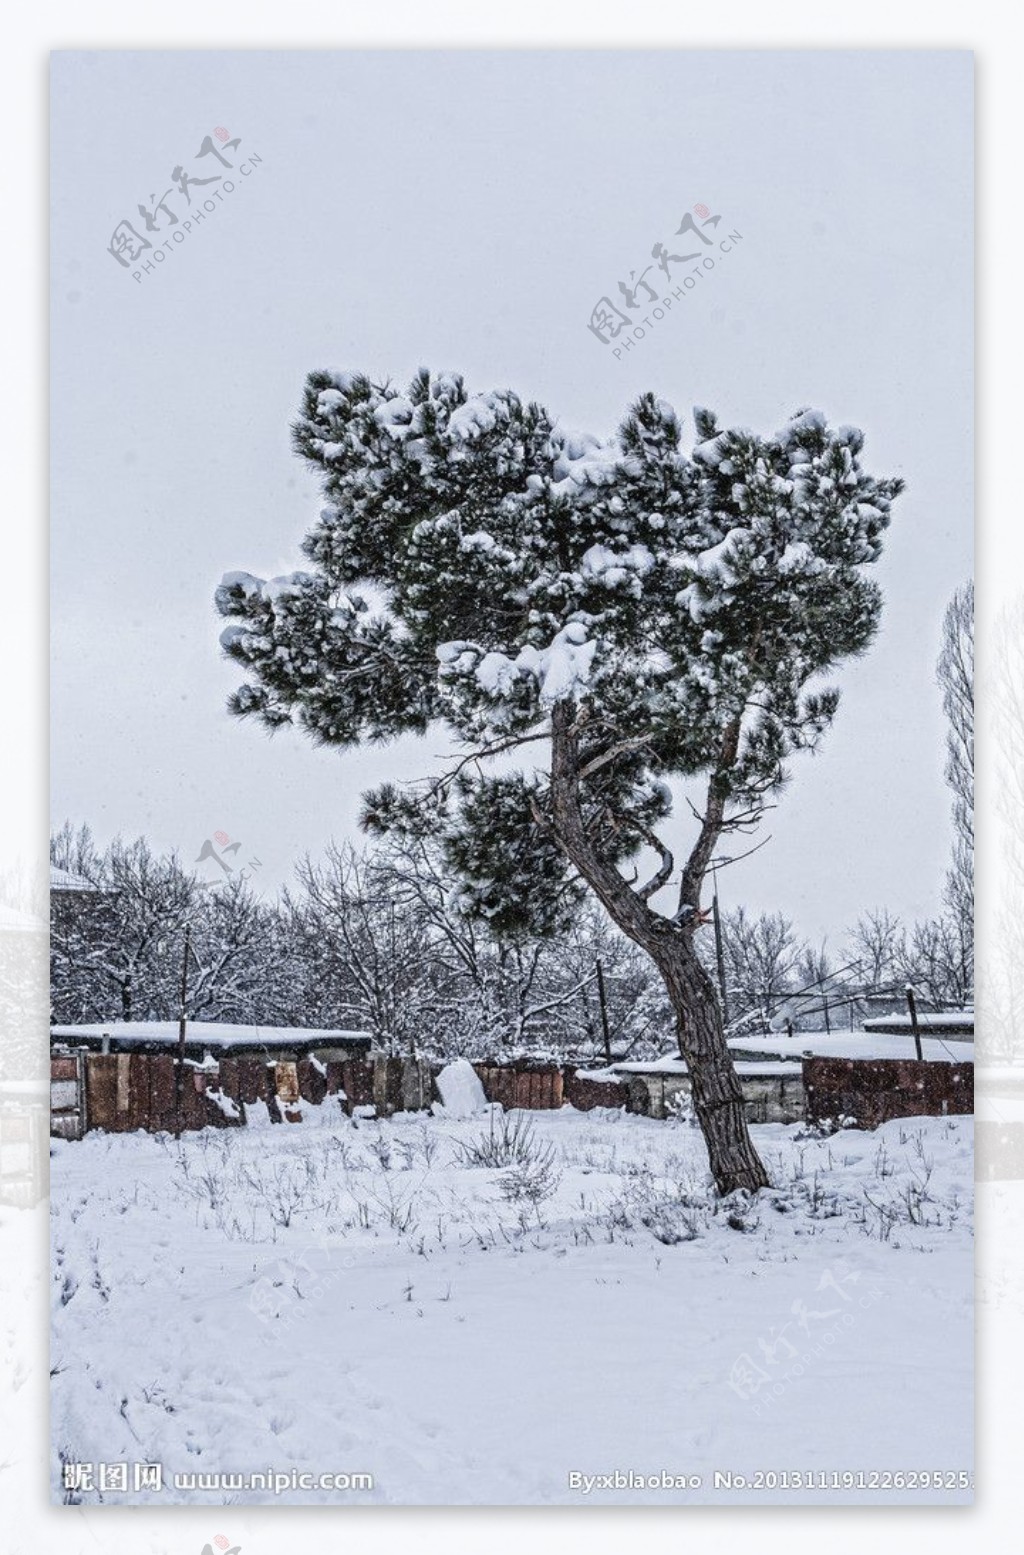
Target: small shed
773	1090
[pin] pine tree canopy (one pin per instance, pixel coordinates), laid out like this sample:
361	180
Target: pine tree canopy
476	566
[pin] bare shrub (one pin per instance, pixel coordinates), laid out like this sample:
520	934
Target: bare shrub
674	1211
508	1140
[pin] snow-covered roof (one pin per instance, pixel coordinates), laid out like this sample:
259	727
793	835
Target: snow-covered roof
777	1054
676	1066
64	880
852	1044
206	1034
955	1022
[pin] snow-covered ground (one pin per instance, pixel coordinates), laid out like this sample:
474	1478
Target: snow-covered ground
353	1297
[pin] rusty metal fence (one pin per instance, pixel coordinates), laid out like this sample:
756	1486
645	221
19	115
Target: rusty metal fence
122	1092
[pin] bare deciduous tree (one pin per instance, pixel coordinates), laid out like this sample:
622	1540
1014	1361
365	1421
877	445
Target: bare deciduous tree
115	953
761	957
876	945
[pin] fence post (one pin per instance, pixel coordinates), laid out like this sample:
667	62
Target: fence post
82	1076
912	1006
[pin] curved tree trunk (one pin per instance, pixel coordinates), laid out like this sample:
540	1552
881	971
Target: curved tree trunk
717	1098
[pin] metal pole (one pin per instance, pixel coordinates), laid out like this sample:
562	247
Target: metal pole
603	1004
912	1007
82	1080
179	1079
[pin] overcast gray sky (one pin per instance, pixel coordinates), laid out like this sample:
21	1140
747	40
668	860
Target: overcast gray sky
465	211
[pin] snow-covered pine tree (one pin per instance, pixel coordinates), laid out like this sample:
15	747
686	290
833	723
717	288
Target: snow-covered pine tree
625	613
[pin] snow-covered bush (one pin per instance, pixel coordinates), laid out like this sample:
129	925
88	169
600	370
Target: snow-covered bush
531	1182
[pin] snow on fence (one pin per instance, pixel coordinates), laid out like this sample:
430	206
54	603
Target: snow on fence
121	1092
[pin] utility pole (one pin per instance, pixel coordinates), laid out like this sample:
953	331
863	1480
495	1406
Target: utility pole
912	1007
179	1079
603	1004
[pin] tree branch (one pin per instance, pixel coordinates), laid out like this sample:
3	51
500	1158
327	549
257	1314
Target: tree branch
625	907
623	748
713	820
484	753
665	870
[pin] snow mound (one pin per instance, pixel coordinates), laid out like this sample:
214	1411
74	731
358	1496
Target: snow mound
462	1095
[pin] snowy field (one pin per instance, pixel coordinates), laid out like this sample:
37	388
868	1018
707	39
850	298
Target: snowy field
360	1298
